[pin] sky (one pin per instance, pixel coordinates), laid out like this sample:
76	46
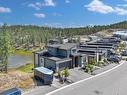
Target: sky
62	13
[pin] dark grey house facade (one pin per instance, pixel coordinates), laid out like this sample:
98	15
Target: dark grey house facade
58	56
70	55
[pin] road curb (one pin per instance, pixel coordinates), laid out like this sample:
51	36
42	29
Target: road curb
86	79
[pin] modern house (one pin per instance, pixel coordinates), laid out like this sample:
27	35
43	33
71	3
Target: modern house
62	40
93	53
121	34
70	55
58	56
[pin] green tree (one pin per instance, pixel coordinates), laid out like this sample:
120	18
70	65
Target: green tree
5	45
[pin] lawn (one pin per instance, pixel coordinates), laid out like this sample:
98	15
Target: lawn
23	52
28	68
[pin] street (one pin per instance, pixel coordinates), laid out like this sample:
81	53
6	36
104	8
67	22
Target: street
111	83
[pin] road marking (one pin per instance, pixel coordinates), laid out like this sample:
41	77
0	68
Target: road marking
85	79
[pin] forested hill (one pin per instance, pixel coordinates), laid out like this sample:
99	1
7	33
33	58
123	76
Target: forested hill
68	31
29	34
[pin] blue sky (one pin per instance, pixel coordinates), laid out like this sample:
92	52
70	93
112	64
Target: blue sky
62	13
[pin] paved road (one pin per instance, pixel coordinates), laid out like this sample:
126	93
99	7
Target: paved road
111	83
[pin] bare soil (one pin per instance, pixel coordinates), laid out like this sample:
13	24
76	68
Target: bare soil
16	78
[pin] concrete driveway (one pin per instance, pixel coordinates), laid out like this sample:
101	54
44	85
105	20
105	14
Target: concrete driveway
78	74
75	75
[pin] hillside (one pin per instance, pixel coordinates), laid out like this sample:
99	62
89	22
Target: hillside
26	35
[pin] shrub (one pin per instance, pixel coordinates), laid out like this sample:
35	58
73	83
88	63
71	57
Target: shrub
88	68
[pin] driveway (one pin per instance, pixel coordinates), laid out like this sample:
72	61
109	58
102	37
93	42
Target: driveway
78	74
111	83
75	75
41	90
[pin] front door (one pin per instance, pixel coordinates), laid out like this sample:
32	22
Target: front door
76	61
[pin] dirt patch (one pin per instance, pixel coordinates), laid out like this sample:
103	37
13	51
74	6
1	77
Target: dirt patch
16	79
105	33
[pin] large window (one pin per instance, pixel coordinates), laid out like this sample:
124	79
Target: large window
64	65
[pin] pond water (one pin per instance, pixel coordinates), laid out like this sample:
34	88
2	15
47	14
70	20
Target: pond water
19	60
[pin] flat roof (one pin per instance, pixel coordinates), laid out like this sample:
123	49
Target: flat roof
57	59
96	46
90	50
87	54
40	51
101	44
65	46
64	60
123	33
44	70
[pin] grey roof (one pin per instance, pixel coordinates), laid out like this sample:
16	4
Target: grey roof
58	59
122	33
101	44
40	51
54	58
65	46
96	46
91	51
54	45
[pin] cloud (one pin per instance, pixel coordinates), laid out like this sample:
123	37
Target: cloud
39	5
67	1
54	24
5	10
35	6
57	14
39	15
48	3
99	6
120	11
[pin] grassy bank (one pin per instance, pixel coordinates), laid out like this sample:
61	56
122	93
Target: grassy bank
23	52
28	68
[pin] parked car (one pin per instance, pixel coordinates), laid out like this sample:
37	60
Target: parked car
114	59
124	53
12	91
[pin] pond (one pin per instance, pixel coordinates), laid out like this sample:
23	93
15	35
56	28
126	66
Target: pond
15	61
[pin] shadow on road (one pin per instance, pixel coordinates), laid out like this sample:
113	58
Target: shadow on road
98	92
